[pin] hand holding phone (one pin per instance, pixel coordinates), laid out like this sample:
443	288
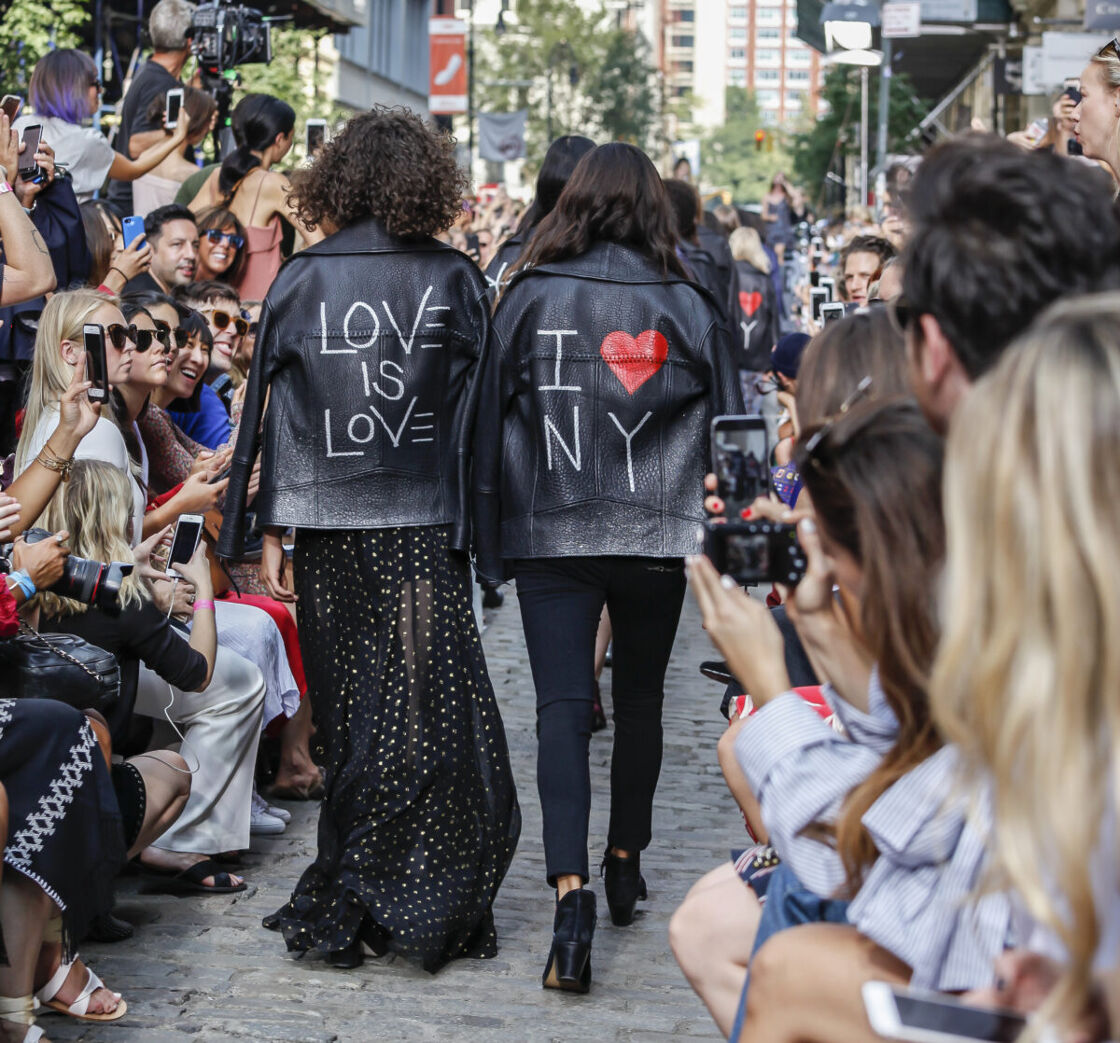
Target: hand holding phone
740	461
188	531
97	366
316	131
28	166
132	228
172	106
10	106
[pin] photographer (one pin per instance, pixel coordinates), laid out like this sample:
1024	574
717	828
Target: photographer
216	695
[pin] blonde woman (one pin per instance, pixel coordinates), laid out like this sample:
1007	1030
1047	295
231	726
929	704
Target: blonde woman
1027	681
214	694
1096	118
59	347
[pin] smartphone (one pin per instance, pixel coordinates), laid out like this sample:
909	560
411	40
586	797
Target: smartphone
97	368
132	228
316	136
814	278
832	311
827	282
28	168
817	297
172	107
740	461
188	531
934	1017
753	552
11	104
1037	131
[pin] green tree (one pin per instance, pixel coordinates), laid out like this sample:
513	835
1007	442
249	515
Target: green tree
836	134
730	157
600	77
28	29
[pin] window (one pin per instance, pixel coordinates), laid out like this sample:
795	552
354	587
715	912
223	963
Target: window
684	16
768	34
738	13
797	75
767	76
768	57
768	99
680	92
737	77
768	18
737	54
683	41
682	67
737	35
793	100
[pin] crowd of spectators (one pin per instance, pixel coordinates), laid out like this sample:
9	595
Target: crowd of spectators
920	732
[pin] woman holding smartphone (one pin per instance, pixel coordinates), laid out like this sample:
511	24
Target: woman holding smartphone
364	450
605	369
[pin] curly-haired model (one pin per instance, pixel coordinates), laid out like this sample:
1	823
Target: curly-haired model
388	164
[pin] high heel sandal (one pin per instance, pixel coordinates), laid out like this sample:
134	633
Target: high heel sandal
624	884
20	1011
569	959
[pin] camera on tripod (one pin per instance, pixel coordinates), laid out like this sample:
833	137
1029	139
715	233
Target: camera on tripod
225	35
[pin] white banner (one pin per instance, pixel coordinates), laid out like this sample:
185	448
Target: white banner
501	135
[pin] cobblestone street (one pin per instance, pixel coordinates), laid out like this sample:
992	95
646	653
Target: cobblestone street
205	969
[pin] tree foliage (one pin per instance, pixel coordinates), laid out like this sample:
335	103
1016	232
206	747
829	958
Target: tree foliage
836	134
730	158
602	77
28	29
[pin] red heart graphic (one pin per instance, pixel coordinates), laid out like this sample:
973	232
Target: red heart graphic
750	302
634	359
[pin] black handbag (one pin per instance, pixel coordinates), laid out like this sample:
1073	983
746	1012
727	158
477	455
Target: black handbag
62	667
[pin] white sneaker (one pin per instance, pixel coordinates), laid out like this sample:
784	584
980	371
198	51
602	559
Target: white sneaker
261	821
283	814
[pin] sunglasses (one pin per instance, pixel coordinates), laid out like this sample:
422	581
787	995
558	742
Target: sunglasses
222	319
216	237
143	339
822	432
164	332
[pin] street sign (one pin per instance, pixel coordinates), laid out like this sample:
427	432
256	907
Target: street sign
1102	14
902	19
1064	55
447	66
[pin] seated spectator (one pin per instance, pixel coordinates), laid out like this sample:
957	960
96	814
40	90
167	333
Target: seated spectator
861	264
65	91
217	695
113	264
243	356
221	246
173	236
160	185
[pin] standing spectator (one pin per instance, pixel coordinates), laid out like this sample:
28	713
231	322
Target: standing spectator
168	27
861	264
159	186
757	300
172	234
701	265
65	90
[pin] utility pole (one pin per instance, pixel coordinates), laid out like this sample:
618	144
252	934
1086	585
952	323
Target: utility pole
884	105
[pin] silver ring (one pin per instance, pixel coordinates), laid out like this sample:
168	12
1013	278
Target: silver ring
60	538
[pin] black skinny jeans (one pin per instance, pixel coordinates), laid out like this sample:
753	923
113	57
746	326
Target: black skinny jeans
561	601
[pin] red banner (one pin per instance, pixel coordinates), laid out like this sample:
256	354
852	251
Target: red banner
447	66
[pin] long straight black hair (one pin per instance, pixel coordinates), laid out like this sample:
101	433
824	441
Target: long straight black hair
256	120
560	160
615	195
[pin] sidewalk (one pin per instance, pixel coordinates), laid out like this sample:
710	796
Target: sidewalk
203	969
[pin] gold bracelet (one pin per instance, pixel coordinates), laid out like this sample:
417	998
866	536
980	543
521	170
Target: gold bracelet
55	463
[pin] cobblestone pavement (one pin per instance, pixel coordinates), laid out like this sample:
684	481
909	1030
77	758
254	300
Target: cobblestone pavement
203	968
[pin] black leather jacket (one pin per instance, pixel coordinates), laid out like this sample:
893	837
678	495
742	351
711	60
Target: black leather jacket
366	352
599	387
505	257
759	319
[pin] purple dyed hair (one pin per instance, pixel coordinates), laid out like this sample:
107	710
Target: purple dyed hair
60	84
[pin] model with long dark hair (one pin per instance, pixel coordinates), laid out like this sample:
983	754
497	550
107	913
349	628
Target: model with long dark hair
605	368
367	353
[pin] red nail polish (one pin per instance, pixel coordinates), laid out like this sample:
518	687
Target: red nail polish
745	513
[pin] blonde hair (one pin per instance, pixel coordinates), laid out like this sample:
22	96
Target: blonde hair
1109	61
746	245
1027	677
95	507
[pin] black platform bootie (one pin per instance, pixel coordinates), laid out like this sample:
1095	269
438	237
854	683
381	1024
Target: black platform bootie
569	959
624	884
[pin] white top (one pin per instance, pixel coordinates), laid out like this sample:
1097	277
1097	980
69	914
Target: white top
104	442
84	151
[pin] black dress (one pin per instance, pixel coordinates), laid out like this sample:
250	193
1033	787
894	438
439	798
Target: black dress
420	818
64	826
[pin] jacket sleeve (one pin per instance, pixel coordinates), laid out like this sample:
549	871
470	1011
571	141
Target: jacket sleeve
461	536
231	541
486	472
720	354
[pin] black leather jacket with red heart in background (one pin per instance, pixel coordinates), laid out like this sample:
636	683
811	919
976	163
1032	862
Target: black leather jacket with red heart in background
367	356
598	391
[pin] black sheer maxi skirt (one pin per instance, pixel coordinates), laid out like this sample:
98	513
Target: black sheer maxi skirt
420	818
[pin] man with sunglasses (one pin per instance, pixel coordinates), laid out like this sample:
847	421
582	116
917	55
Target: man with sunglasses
219	304
998	235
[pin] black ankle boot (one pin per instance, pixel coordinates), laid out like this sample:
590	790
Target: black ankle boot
346	959
624	884
569	959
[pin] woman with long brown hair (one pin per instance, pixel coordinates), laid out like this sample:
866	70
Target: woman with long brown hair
606	367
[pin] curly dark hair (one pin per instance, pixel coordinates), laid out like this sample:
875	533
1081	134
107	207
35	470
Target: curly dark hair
388	164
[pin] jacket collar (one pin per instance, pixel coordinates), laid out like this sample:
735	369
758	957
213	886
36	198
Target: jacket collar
369	236
610	262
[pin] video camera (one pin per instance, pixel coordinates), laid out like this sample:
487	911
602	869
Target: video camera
224	35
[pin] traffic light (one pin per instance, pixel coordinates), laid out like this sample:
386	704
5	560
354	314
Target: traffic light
759	138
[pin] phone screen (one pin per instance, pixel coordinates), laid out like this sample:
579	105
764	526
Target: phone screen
817	297
11	105
97	370
740	460
187	533
31	137
992	1026
832	311
316	135
174	104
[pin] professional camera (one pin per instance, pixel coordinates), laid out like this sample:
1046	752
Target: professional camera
753	552
224	35
90	582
